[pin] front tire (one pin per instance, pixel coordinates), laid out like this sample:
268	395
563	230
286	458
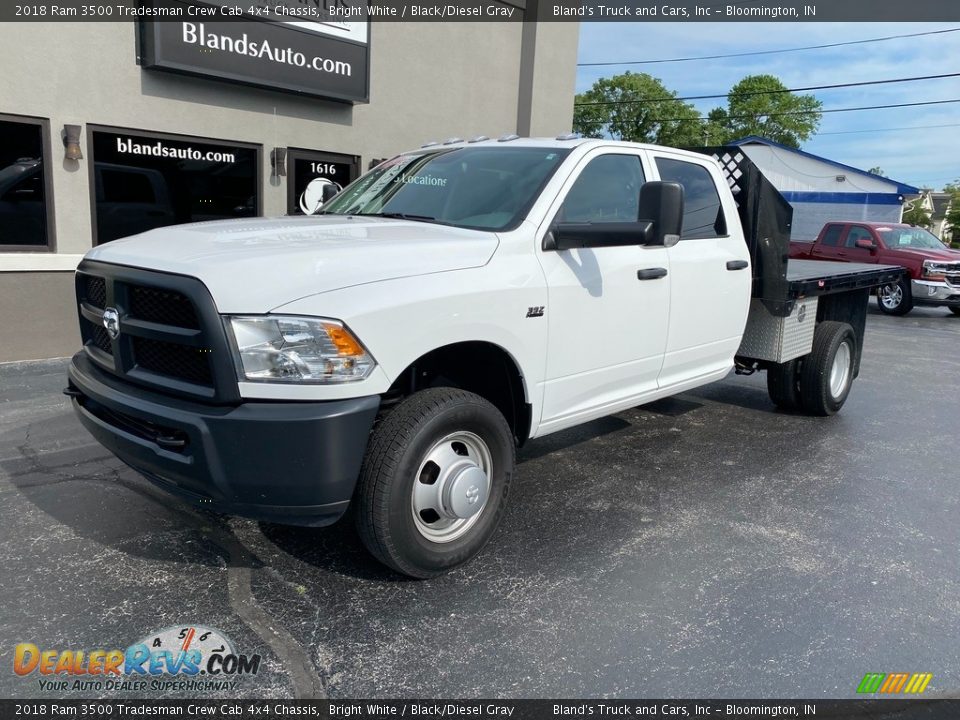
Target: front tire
434	481
827	372
955	310
895	298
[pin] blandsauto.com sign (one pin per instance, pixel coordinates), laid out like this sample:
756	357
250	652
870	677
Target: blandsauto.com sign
321	58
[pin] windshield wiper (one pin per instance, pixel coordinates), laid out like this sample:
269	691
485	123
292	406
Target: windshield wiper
401	216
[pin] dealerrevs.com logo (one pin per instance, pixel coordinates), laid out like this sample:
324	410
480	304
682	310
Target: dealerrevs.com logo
191	658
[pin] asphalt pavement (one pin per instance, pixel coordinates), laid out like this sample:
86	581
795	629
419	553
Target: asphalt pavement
704	546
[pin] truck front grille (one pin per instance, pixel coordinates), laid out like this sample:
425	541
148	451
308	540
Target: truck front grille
170	339
162	306
96	291
102	340
187	363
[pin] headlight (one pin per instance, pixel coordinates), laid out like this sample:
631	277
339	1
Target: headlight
274	348
933	270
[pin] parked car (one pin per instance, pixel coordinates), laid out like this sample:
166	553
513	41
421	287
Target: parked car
393	350
934	268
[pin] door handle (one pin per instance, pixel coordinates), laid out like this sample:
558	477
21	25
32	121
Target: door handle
651	273
737	265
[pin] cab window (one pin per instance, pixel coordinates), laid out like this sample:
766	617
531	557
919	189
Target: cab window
831	237
607	190
857	233
702	213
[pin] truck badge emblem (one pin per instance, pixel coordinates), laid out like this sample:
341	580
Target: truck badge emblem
111	322
473	494
536	311
801	313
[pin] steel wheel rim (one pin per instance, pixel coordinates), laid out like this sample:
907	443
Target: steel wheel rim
840	371
458	464
891	296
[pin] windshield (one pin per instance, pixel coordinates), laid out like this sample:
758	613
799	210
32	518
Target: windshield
912	237
483	188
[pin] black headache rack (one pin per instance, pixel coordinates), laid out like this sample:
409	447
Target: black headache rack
766	217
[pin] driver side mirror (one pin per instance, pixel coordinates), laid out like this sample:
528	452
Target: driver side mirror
662	204
661	219
567	236
865	244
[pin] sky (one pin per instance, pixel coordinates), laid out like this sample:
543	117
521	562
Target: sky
923	156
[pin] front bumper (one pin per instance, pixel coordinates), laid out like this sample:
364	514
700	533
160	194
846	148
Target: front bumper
294	463
929	292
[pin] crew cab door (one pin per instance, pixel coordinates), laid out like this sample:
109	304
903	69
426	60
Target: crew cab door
710	275
830	244
608	307
852	253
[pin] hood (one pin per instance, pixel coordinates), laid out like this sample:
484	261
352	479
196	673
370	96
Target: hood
257	265
920	254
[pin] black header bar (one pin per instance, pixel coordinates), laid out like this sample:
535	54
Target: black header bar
872	709
708	11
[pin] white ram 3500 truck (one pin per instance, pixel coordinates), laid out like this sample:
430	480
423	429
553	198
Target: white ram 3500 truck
452	303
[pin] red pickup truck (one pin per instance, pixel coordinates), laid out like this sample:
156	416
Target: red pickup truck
934	268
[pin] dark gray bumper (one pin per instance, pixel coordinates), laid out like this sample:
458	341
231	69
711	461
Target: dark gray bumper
286	462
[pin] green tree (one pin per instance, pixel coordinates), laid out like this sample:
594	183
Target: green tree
717	130
636	107
877	170
760	105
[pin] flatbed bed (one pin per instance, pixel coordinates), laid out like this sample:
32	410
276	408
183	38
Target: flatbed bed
809	278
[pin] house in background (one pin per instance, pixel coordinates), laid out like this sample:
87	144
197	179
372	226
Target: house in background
936	205
940	203
822	190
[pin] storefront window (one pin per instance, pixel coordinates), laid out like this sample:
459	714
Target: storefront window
307	166
24	212
144	182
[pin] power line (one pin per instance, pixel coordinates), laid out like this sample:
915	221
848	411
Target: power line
769	52
840	110
772	92
896	129
822	112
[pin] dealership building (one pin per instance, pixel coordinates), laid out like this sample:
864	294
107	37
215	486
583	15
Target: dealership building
108	129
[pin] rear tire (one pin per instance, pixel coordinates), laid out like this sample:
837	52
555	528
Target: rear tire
783	384
430	462
826	374
895	298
